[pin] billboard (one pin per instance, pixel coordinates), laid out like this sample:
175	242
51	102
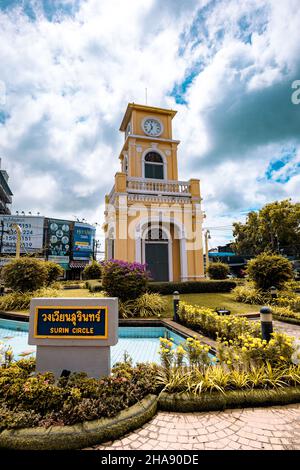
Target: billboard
59	240
32	228
83	241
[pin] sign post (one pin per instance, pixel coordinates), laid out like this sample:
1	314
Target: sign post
73	334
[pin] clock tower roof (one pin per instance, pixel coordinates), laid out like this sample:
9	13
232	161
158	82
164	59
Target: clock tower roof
140	107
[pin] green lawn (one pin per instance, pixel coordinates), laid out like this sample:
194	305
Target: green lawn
203	300
74	293
215	301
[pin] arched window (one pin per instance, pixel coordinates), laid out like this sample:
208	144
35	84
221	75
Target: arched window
156	234
154	166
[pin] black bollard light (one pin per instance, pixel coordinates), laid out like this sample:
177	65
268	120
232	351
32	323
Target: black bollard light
175	305
266	323
273	292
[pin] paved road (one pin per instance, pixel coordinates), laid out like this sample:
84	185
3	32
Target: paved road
273	428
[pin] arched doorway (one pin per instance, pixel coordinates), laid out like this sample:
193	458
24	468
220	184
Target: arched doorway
165	223
157	253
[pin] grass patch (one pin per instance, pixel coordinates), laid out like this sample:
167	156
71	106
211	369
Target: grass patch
203	300
214	301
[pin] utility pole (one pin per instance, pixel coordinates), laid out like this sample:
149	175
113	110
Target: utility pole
95	249
206	237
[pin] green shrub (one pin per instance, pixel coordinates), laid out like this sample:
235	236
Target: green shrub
147	305
93	286
54	271
288	299
124	280
285	312
216	379
267	270
218	270
14	419
191	287
92	271
248	294
46	401
21	300
25	274
214	325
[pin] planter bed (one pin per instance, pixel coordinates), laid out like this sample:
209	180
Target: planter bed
217	401
91	433
293	321
83	434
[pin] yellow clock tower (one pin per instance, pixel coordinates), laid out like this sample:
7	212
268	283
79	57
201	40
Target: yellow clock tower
150	216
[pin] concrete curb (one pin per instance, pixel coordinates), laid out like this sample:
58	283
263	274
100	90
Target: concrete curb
216	401
83	434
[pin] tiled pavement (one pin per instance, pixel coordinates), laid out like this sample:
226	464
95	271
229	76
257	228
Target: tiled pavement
289	328
274	428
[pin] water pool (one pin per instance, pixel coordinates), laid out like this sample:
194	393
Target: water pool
141	343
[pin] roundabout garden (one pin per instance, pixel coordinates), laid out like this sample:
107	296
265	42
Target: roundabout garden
218	362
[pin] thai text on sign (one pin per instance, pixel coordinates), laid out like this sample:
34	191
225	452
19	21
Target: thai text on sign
71	322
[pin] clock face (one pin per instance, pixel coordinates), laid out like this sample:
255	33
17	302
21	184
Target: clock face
152	127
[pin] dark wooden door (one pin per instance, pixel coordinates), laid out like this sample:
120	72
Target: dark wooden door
157	259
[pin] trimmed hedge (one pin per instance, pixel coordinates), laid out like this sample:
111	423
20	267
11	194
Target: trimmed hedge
94	286
214	401
282	318
191	287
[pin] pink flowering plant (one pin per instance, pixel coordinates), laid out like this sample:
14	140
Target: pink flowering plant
124	280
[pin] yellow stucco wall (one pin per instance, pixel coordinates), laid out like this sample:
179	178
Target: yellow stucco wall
139	116
126	220
175	256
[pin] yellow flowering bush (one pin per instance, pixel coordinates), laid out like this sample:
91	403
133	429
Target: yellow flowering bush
180	354
190	353
214	325
197	353
166	353
246	351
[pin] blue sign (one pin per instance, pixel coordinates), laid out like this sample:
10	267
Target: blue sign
83	241
71	322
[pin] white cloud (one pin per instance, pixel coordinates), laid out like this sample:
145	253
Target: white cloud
69	82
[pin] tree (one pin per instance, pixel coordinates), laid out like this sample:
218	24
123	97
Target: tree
25	274
218	270
92	271
269	269
54	271
276	228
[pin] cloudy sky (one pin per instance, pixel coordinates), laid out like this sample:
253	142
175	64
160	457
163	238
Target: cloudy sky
68	68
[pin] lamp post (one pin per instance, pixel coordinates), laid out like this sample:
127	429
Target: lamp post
266	323
273	292
207	237
175	305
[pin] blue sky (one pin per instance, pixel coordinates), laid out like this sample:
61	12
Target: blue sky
69	68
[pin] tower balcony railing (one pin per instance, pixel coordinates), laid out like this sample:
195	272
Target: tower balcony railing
158	187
